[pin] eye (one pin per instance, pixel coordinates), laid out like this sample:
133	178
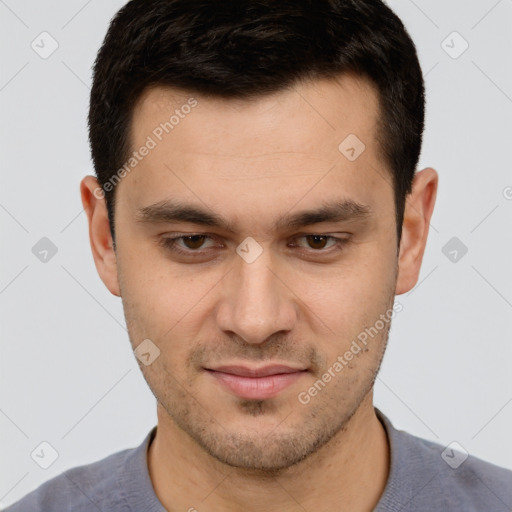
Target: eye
194	244
191	243
318	242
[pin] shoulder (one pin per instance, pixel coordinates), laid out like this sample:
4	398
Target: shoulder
428	476
96	486
457	476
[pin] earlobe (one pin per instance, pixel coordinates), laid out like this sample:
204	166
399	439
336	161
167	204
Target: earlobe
418	212
99	233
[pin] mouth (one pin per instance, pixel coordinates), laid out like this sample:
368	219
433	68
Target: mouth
256	383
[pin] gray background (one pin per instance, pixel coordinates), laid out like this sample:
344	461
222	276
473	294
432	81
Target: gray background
68	376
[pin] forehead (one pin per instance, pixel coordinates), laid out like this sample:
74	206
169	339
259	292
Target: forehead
267	152
295	119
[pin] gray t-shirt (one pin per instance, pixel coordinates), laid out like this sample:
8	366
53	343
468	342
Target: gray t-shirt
422	479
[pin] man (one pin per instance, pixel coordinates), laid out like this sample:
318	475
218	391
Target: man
256	207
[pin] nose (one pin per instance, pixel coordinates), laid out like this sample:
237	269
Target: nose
256	302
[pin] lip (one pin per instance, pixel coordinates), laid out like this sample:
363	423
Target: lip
263	371
256	383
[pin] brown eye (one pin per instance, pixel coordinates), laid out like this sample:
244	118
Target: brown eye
186	244
317	241
320	244
193	241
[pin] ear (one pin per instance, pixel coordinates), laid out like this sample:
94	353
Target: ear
418	212
99	233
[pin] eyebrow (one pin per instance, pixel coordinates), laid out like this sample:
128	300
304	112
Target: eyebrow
173	211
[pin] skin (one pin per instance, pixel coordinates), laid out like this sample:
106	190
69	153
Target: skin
253	162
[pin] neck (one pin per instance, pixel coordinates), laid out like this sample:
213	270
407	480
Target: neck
347	473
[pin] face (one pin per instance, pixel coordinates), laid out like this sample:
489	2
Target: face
257	279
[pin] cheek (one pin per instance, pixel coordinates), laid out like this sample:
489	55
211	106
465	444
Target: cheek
347	301
356	289
154	286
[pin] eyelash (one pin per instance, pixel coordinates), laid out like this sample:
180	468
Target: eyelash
170	243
